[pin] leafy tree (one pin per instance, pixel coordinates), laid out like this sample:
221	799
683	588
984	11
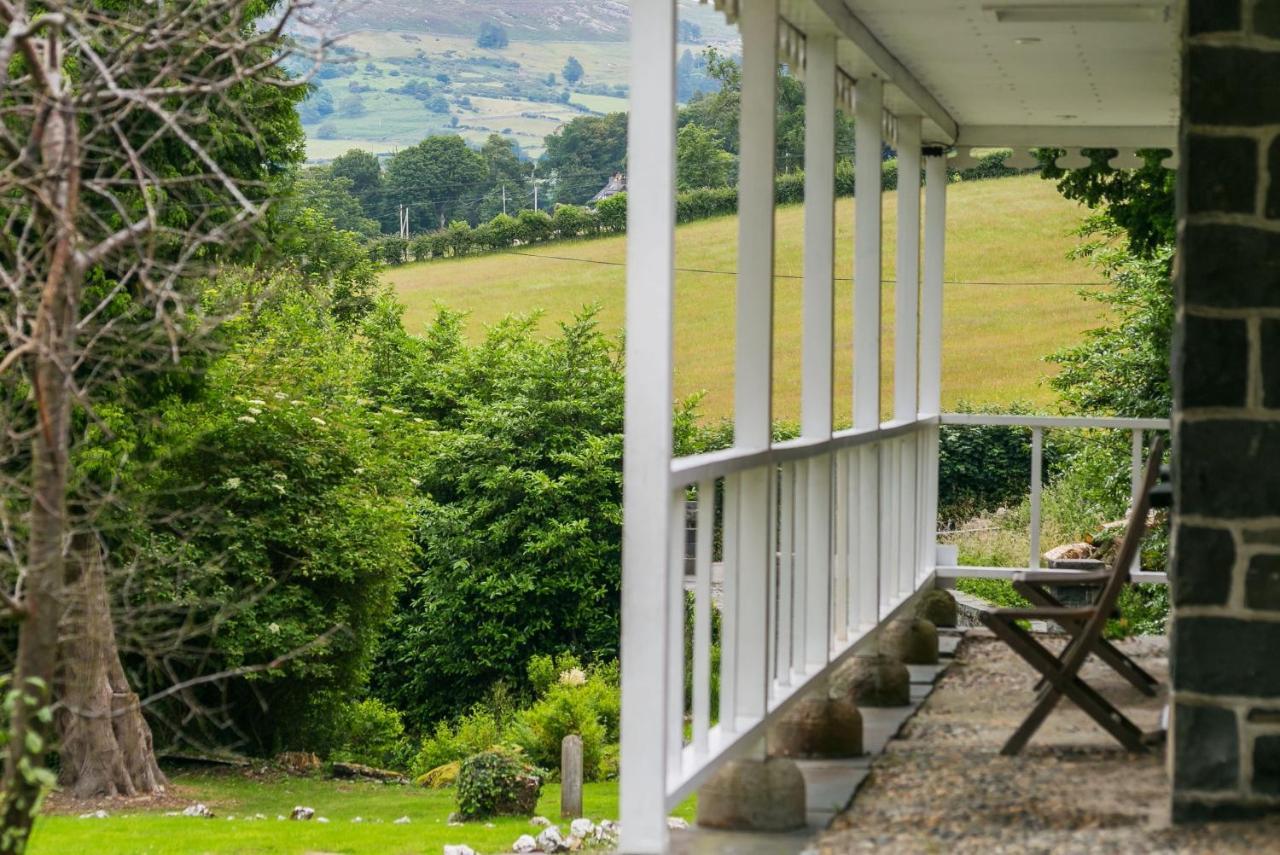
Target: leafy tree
364	172
352	107
521	505
701	160
491	37
435	177
318	105
334	261
1139	201
319	189
572	71
506	170
437	104
584	153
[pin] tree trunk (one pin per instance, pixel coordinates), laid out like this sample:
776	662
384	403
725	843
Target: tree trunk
106	745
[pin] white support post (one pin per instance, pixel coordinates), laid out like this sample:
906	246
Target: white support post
907	292
1135	485
1037	455
753	382
868	213
868	114
935	233
648	423
819	320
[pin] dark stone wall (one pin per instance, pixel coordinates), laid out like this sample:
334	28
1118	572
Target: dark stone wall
1225	650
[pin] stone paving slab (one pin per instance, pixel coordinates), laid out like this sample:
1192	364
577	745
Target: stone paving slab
926	674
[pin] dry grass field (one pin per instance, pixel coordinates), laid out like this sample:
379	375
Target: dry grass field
1007	241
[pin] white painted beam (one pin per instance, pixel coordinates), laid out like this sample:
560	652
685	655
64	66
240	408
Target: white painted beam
868	223
1067	136
851	27
907	290
648	408
935	235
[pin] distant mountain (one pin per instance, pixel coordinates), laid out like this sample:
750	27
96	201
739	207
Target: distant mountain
550	20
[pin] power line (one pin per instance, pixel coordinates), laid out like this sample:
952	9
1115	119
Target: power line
787	275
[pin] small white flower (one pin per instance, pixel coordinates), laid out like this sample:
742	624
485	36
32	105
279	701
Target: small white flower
359	470
231	483
249	420
255	411
280	396
417	420
417	482
279	488
273	628
297	403
317	420
258	401
572	677
280	476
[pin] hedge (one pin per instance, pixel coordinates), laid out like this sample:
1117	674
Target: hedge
570	222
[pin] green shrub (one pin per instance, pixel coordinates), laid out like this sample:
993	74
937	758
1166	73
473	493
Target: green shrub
612	213
535	226
374	735
570	221
564	710
688	657
474	732
497	782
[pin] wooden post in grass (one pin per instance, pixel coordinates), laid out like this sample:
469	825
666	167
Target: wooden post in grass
571	777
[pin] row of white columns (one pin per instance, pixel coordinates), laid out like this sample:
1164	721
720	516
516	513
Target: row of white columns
652	590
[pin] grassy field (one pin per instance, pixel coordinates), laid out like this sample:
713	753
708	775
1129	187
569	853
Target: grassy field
247	810
1007	238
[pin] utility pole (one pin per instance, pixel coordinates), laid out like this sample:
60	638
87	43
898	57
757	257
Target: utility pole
404	221
535	185
504	200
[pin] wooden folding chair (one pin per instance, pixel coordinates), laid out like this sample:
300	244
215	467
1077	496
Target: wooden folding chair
1086	624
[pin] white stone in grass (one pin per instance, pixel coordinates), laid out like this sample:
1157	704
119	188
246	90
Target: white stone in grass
302	813
97	814
582	827
197	810
322	819
524	843
458	849
358	819
540	821
550	840
675	823
404	820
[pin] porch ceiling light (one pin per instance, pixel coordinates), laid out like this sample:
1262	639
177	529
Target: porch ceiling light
1077	13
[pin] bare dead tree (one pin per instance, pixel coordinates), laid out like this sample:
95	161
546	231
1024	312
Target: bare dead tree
133	162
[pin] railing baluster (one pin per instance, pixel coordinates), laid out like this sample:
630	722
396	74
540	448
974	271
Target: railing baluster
675	632
786	584
1037	454
816	562
702	616
729	608
840	549
756	515
869	533
1135	484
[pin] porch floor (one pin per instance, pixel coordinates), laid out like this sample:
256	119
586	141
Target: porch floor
941	785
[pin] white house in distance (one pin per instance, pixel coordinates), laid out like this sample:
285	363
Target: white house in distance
827	536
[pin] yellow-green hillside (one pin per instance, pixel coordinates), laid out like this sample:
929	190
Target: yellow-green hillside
1011	231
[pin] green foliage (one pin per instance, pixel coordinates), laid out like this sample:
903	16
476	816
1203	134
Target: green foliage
611	213
570	701
583	154
274	503
572	71
429	177
519	522
491	37
1139	201
497	782
373	734
982	467
472	733
333	261
701	160
321	190
1123	368
688	657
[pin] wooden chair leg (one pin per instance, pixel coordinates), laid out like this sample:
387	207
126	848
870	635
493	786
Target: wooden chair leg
1060	684
1104	649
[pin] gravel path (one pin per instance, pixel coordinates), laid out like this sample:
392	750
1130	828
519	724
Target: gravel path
943	787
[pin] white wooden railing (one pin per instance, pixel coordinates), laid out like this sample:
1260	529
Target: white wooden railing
947	570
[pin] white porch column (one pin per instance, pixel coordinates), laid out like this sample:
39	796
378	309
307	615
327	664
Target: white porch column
868	115
819	319
647	443
907	292
758	23
935	233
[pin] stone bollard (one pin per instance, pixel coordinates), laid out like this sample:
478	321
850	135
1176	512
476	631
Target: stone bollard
754	795
818	726
912	640
938	607
571	777
872	681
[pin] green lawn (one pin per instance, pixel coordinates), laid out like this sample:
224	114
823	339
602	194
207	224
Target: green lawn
234	795
1011	231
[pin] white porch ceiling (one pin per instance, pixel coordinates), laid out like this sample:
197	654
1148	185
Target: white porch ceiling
1016	72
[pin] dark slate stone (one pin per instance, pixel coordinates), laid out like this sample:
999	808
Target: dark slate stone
1215	362
1232	86
1266	17
1271	206
1226	656
1226	469
1231	267
1262	583
1213	16
1263	715
1207	752
1223	174
1187	810
1203	558
1270	363
1266	765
